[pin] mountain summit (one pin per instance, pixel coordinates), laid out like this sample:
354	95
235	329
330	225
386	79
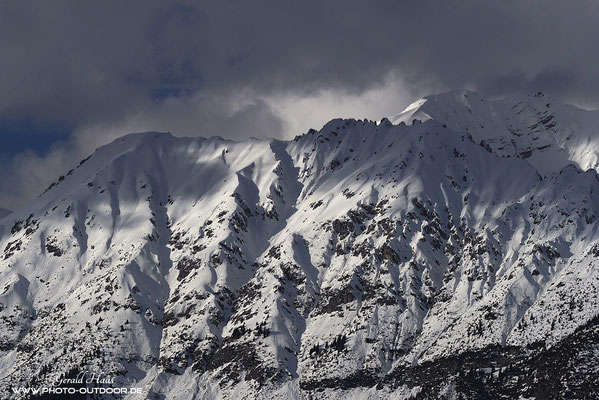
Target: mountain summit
550	135
450	251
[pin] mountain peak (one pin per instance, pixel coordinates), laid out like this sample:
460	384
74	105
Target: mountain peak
534	127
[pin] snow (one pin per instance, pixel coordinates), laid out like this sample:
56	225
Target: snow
554	134
203	267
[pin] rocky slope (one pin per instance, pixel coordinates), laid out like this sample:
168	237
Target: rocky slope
454	253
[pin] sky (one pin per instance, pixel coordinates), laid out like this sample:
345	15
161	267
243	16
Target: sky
76	75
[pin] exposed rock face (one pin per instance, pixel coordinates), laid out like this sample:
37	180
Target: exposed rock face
404	261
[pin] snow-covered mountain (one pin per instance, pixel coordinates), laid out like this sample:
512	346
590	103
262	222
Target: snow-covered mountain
548	134
456	255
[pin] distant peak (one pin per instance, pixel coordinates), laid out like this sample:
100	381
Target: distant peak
415	105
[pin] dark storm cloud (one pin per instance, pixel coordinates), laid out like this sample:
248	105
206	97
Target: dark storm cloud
240	69
85	61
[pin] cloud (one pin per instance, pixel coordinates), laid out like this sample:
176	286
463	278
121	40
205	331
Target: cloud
270	68
28	174
302	111
88	62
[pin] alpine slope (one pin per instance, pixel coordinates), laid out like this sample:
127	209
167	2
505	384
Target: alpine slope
451	251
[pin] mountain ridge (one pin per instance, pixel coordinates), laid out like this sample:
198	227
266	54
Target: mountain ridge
550	134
